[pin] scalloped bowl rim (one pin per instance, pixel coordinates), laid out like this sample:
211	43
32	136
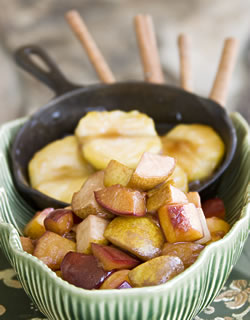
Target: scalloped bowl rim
15	244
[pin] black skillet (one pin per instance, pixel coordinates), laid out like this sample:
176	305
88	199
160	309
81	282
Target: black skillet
167	105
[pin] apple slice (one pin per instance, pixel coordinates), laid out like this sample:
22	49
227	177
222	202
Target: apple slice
27	244
83	201
165	194
194	197
90	230
188	252
139	236
112	258
115	280
35	228
155	271
59	221
83	270
117	173
122	201
151	171
180	222
214	208
51	249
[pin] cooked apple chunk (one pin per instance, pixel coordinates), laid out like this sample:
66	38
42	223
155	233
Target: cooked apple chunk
83	201
35	228
155	271
197	148
116	279
59	221
194	197
188	252
59	159
180	222
122	201
151	171
140	236
206	233
51	249
27	244
217	227
117	173
113	258
180	179
165	194
90	230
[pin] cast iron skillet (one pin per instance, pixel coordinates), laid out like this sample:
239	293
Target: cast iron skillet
167	105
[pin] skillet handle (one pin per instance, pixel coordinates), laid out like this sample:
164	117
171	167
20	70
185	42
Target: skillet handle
52	77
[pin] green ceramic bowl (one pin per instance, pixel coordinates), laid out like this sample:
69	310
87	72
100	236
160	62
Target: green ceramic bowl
180	299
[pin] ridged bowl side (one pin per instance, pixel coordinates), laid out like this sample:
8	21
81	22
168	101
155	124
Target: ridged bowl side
180	299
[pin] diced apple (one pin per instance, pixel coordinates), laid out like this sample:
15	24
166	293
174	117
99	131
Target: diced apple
139	236
188	252
214	208
180	222
27	244
35	228
194	197
83	270
117	173
122	201
90	230
165	194
115	279
112	258
59	221
51	249
206	233
151	171
155	271
180	178
83	201
217	227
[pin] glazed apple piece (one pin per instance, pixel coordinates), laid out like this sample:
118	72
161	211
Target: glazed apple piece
214	208
83	270
194	197
151	171
217	227
113	258
51	249
59	221
188	252
83	201
165	194
155	271
27	244
180	222
117	173
180	178
122	201
115	280
139	236
206	233
90	230
35	228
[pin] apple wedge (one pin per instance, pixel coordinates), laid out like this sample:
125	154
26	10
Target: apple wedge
139	236
155	271
116	280
59	221
35	228
83	201
27	244
90	230
113	258
122	201
165	194
206	233
180	222
117	173
151	171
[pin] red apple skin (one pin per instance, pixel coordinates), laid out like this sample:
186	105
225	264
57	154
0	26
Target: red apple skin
59	221
83	270
112	258
214	208
124	285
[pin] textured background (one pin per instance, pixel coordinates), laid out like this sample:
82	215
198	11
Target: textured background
111	24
